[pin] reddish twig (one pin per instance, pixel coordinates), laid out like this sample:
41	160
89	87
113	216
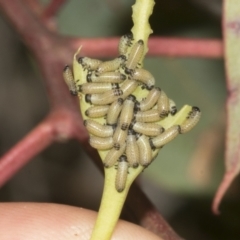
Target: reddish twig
52	8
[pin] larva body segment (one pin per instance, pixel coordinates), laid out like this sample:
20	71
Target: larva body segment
108	77
110	66
112	156
101	143
151	115
191	121
124	43
172	106
97	111
132	150
127	112
98	129
128	87
163	105
69	80
92	88
114	110
148	129
103	98
145	150
122	172
134	57
144	77
164	138
89	63
149	101
119	137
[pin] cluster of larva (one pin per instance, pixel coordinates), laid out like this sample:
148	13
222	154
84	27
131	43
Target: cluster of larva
132	129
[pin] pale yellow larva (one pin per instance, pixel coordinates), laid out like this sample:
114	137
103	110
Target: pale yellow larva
151	115
103	98
134	57
119	137
101	143
69	80
128	87
110	66
127	112
145	151
191	121
108	77
89	63
114	111
167	136
173	108
124	43
149	129
97	111
92	88
122	172
113	155
144	77
132	150
149	101
98	129
163	105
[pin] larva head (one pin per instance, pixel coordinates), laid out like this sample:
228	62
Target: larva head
89	77
88	98
123	158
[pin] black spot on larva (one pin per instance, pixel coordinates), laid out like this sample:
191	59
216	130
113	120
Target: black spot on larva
132	98
80	60
85	122
151	144
88	98
66	68
196	109
140	42
89	79
173	110
123	77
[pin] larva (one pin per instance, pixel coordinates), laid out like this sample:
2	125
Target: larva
114	110
128	87
191	120
103	98
119	137
92	88
173	108
134	57
101	143
132	150
167	136
127	112
69	80
145	151
149	101
89	63
151	115
113	155
124	43
163	105
110	66
97	111
144	77
108	77
148	129
122	172
98	129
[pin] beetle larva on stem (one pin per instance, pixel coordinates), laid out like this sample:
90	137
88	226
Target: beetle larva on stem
110	66
103	98
132	150
113	155
191	121
69	80
144	77
127	112
97	111
122	172
108	77
149	101
163	105
92	88
101	143
134	57
145	151
148	129
119	137
151	115
98	129
164	138
114	110
173	108
128	87
89	63
124	43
